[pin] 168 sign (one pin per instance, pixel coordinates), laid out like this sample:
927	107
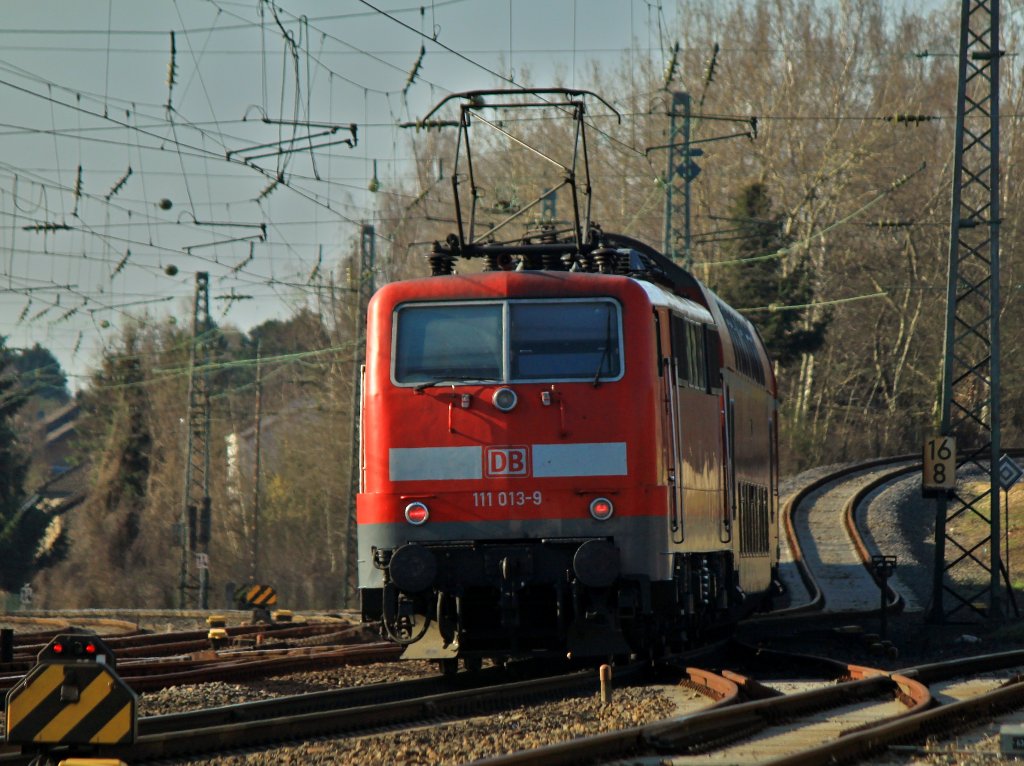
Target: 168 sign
939	465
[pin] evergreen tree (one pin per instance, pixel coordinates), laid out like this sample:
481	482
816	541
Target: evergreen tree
116	422
21	524
303	331
40	374
758	280
122	546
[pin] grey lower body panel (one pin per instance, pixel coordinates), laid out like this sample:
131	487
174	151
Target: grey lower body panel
642	540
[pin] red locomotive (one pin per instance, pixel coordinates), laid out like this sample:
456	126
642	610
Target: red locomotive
573	451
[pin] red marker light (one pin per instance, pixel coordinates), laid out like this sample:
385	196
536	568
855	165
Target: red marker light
601	508
58	648
416	513
90	648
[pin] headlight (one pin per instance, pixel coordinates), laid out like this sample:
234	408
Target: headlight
601	508
504	399
417	513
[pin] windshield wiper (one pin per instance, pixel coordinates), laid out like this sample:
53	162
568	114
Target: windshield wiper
452	381
607	348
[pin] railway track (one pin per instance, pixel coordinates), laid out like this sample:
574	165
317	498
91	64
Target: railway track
151	676
869	710
744	721
825	544
28	625
153	661
842	723
830	543
137	643
305	716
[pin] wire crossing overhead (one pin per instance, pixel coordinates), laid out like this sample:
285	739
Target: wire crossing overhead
970	381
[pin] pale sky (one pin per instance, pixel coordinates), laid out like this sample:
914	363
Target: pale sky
84	97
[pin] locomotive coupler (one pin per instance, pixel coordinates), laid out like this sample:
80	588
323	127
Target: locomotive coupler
449	617
399	616
594	631
509	599
591	605
562	606
405	616
380	557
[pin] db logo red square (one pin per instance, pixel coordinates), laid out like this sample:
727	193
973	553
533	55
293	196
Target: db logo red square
507	461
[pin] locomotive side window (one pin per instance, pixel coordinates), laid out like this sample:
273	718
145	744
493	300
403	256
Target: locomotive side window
448	342
713	349
748	362
577	340
697	355
679	348
690	351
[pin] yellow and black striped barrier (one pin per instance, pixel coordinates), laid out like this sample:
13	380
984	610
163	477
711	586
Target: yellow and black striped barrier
73	696
256	596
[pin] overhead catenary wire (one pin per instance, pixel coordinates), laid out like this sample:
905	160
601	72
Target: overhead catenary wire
805	241
279	262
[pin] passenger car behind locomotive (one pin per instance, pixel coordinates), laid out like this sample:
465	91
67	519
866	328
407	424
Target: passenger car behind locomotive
572	451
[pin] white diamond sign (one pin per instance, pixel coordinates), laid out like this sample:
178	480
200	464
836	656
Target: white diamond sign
1009	472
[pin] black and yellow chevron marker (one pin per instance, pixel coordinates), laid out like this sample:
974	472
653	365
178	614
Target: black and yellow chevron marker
256	595
78	702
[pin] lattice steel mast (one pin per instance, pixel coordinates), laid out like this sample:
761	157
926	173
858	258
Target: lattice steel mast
970	388
193	590
677	195
365	285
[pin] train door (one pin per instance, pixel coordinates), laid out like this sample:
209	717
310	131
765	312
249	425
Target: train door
671	434
729	464
697	441
752	481
773	494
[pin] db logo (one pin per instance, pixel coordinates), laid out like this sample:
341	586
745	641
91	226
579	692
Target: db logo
507	461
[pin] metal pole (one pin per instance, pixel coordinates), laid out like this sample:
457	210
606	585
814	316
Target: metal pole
195	519
883	627
687	181
678	165
995	598
936	611
365	289
257	429
883	566
6	644
971	364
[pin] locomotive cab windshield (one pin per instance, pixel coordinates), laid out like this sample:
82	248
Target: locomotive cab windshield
513	341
